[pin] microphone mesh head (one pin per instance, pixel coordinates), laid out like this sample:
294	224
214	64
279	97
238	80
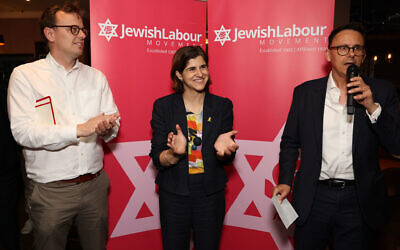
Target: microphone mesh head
351	72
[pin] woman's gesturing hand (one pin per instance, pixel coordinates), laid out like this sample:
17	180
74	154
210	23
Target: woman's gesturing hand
177	143
225	145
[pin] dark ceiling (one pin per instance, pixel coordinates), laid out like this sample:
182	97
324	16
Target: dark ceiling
377	16
37	5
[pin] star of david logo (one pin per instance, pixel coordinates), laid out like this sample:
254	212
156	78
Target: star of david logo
108	30
252	197
222	35
251	209
144	199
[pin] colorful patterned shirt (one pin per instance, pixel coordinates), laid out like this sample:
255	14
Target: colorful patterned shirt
195	132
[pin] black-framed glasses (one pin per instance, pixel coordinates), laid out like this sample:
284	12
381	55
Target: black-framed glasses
74	29
343	50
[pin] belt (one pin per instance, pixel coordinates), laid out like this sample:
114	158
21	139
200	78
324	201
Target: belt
338	183
82	178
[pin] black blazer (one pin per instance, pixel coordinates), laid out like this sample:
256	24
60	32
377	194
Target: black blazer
303	130
217	119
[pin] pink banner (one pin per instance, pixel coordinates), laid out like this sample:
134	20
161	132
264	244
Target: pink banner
132	44
259	51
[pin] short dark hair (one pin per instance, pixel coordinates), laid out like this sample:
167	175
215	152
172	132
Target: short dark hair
350	26
180	61
48	18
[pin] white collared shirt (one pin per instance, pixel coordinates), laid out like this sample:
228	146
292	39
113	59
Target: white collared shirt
53	152
337	137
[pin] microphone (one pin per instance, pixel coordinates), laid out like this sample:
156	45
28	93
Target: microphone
352	71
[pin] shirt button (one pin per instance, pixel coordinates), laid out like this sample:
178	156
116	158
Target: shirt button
81	154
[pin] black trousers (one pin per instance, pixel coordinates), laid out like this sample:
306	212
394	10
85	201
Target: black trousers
335	214
203	214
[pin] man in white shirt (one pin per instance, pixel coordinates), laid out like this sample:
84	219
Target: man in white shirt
59	111
338	190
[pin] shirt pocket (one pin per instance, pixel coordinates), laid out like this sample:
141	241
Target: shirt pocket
89	104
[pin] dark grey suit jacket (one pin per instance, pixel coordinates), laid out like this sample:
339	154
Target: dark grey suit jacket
303	130
217	119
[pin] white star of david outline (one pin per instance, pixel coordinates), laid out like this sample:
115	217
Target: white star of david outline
125	153
105	30
222	32
254	191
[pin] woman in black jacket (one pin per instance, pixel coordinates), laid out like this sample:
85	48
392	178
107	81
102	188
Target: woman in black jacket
192	141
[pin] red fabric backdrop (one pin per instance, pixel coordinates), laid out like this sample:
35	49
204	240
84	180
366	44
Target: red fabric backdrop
132	44
259	51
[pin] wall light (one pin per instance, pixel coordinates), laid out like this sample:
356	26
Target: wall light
375	58
389	57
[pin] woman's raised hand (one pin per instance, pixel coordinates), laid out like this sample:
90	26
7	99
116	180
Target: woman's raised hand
225	145
177	143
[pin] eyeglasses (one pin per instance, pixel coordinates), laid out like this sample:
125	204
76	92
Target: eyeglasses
344	50
75	29
192	70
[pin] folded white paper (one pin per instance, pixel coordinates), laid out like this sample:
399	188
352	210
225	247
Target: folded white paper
44	113
285	211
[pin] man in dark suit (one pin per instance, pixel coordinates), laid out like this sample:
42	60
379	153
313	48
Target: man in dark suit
338	191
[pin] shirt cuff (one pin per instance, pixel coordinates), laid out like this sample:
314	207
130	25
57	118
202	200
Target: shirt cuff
374	116
70	133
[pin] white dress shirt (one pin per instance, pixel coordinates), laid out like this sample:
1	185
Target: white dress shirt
337	137
54	152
